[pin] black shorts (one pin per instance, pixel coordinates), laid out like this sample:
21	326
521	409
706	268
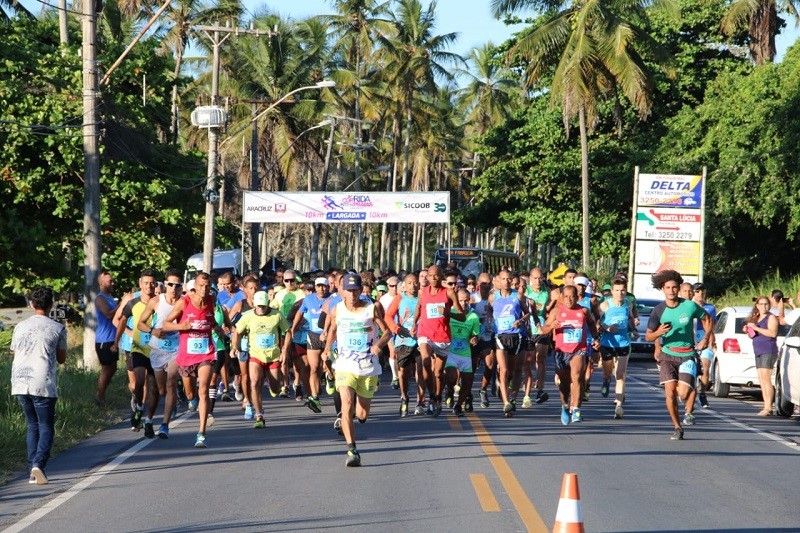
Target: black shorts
219	362
610	352
509	342
681	369
233	365
406	355
483	347
141	361
104	353
314	343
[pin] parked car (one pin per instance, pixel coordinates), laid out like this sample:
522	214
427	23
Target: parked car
787	372
734	362
645	306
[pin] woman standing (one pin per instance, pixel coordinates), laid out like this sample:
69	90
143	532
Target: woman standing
762	327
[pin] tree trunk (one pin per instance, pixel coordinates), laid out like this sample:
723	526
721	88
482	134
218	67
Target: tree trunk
584	187
764	26
177	72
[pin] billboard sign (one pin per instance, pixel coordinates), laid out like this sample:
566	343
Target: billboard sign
670	190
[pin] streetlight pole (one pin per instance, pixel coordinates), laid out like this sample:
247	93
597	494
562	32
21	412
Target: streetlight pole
211	181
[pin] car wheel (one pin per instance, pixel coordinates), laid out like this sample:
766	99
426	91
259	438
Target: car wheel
782	407
721	390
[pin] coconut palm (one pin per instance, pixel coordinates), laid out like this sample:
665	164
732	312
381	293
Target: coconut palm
589	50
760	18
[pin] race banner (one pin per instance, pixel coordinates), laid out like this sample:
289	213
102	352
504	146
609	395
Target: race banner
346	207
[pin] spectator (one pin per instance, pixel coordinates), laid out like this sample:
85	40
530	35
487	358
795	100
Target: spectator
762	327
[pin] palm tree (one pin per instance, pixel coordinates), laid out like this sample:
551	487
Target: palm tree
761	19
597	48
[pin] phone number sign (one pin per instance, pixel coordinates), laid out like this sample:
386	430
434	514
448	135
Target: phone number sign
668	224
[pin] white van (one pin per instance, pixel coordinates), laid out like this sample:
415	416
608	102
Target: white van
224	261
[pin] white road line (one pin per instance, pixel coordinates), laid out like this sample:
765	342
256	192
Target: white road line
80	486
792	445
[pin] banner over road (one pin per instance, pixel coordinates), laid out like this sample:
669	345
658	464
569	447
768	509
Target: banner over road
346	207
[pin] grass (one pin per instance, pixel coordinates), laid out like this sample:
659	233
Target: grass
77	417
744	294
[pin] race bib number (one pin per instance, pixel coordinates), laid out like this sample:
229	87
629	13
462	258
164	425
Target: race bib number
459	344
265	341
505	323
573	335
144	338
168	344
197	346
688	367
357	342
435	310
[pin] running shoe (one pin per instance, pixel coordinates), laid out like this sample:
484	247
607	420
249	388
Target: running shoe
403	408
136	420
260	422
193	403
248	412
448	401
527	402
200	441
796	412
429	412
330	384
284	393
238	394
604	389
38	475
468	403
508	410
677	435
703	400
437	410
32	480
419	410
541	396
484	398
163	431
513	406
314	404
149	432
395	384
337	426
458	410
353	458
220	389
175	411
586	395
457	386
298	393
576	416
565	415
557	380
209	420
226	397
688	419
618	412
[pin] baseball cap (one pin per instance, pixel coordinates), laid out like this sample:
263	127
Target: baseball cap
190	286
321	281
382	287
606	287
351	282
580	280
261	299
698	287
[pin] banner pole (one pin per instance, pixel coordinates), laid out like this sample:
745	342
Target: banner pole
634	213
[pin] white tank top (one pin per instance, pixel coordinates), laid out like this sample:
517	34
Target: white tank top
169	340
355	335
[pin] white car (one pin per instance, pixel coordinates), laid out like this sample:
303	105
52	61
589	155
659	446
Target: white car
787	373
734	362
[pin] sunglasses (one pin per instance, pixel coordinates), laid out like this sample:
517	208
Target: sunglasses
289	280
449	283
395	285
171	284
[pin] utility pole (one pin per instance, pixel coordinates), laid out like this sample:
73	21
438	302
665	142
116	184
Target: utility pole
210	194
254	186
63	35
91	183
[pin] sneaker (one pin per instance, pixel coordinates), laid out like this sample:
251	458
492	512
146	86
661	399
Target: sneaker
484	398
337	426
429	412
618	412
576	416
32	480
175	411
38	475
238	395
395	384
220	389
513	406
226	397
284	393
703	400
796	412
313	404
458	410
448	401
688	419
133	403
557	380
437	409
468	404
209	420
604	389
527	402
200	441
248	412
260	422
298	393
149	432
677	435
330	384
541	396
508	410
353	458
136	420
419	410
193	403
565	415
586	395
163	431
403	408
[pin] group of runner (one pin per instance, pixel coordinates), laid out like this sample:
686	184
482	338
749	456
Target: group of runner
340	328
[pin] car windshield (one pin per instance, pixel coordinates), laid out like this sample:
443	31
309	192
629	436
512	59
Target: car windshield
741	321
645	307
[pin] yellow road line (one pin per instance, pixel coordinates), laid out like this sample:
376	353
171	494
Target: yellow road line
527	512
484	492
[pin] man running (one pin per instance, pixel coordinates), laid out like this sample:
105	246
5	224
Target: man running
400	319
671	323
484	349
106	335
616	325
707	355
539	345
310	311
283	302
459	362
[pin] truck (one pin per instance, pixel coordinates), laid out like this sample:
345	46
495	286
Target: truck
224	261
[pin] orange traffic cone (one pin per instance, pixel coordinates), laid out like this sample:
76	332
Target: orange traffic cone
569	517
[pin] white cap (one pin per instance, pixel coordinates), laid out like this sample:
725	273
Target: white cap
190	286
321	281
580	280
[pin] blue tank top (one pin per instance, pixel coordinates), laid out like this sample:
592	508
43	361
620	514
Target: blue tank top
615	315
311	309
405	318
106	332
506	310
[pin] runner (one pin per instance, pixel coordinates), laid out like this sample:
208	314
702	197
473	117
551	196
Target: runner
484	349
459	362
570	324
357	366
299	348
310	311
707	355
616	326
400	320
671	323
106	334
242	389
432	329
585	300
385	301
283	302
538	344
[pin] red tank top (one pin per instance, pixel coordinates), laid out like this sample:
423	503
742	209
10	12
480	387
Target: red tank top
571	335
196	345
434	318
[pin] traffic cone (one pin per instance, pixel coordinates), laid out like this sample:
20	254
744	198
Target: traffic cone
569	517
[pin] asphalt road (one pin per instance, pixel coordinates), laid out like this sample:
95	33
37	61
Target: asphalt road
733	472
